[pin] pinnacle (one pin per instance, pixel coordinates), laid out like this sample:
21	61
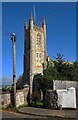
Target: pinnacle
31	17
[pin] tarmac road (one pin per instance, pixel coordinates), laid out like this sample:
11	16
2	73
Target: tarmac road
6	114
16	116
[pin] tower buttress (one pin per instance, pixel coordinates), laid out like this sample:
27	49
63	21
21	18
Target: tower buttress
31	34
45	52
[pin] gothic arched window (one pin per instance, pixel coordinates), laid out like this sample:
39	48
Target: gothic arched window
38	58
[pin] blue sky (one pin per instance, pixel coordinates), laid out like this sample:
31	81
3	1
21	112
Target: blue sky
61	31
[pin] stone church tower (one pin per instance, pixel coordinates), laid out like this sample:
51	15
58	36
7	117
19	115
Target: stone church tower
34	50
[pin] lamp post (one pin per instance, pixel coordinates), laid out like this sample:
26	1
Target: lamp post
13	38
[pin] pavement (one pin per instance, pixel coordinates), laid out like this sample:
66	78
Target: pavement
49	113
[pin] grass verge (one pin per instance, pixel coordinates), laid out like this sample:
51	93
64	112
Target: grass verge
37	104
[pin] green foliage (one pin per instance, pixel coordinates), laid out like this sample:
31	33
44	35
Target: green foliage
7	89
11	108
59	57
22	106
37	104
61	70
45	82
19	82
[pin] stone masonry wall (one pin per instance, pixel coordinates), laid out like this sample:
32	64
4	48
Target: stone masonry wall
50	99
6	98
19	98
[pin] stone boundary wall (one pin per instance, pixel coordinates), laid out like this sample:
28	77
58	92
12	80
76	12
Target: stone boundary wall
19	98
50	99
6	98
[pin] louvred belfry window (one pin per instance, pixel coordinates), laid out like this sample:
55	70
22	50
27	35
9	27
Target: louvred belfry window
38	41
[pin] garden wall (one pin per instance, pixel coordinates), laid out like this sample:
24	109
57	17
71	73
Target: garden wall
6	98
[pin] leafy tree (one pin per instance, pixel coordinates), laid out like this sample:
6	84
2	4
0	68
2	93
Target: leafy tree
19	82
62	70
56	71
59	57
45	82
75	74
